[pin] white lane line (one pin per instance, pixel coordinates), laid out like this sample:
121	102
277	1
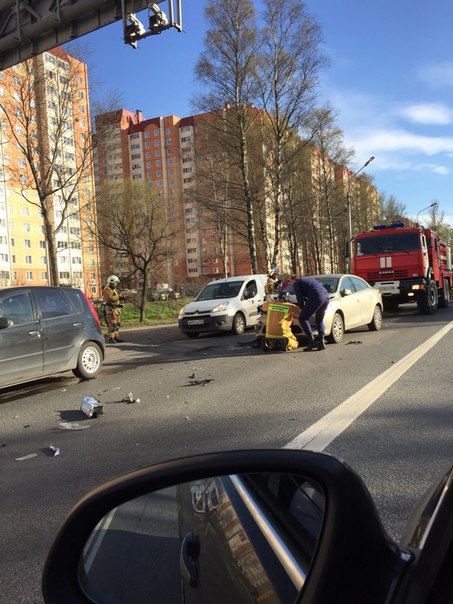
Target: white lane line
324	431
95	540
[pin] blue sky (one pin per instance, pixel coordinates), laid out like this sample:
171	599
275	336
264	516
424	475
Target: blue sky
390	80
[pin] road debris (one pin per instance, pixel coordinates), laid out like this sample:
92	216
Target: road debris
26	425
55	450
72	426
26	457
91	407
199	382
188	418
354	342
130	399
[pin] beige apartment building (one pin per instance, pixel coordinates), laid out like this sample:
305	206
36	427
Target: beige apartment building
45	120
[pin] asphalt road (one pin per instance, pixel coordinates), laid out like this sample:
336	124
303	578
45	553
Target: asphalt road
249	399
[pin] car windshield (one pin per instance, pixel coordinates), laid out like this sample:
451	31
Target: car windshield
329	283
219	291
382	244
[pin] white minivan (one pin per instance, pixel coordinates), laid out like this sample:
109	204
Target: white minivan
224	305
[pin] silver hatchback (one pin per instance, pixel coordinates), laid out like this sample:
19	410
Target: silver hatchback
47	330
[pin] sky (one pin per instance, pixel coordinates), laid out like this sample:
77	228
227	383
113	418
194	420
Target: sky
389	80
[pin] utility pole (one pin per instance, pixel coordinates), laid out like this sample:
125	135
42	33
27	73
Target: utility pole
348	210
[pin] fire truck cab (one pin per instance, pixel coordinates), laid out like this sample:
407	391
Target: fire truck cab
406	264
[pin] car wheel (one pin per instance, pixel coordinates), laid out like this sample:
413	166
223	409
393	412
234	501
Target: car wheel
337	331
238	324
192	334
376	322
90	361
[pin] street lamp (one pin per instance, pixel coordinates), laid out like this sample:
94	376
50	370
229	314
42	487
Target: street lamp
348	210
434	204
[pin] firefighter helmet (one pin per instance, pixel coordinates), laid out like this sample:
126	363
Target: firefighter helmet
113	279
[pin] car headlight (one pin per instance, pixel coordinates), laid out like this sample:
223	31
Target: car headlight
220	307
181	314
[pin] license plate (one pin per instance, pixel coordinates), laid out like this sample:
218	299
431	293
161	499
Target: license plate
389	288
195	322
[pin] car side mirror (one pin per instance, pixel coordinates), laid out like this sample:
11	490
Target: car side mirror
239	520
346	292
3	322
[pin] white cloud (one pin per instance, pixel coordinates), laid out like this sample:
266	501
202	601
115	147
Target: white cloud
399	140
437	75
428	113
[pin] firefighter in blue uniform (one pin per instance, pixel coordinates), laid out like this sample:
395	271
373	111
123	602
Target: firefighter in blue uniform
312	298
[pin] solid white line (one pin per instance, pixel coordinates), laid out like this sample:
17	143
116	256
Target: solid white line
324	431
97	536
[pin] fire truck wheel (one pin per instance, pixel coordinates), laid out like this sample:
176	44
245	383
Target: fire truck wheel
444	295
337	331
427	304
376	322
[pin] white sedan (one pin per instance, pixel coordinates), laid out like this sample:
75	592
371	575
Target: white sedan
353	303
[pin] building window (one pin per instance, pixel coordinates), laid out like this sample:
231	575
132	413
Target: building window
135	146
29	275
27	243
157	153
156	132
28	260
134	136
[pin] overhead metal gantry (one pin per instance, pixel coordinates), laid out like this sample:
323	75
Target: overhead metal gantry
29	27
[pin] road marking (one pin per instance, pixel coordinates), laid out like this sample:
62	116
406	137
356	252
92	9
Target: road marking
318	436
94	542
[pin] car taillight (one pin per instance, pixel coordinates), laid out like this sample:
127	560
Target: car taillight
93	310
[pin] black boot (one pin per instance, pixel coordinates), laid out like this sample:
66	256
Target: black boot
312	344
321	344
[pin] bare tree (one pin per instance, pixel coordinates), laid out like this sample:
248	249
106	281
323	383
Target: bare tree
290	61
136	229
227	68
43	120
392	210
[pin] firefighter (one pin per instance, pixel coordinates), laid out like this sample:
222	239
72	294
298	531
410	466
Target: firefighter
312	298
112	308
272	284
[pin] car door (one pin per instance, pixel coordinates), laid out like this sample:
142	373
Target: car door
350	304
62	327
21	342
367	298
250	301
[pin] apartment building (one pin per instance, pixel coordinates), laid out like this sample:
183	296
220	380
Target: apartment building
162	153
45	134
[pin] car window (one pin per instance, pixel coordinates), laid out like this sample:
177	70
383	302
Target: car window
53	303
251	290
329	283
217	291
75	296
359	283
17	308
291	501
348	284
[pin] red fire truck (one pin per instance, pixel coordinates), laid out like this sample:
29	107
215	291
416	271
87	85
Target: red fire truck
407	264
